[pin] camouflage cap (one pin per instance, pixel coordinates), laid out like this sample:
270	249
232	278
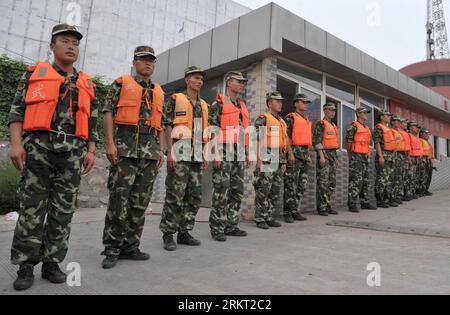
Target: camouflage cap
329	106
144	51
362	110
424	131
386	113
236	75
194	69
66	29
274	96
397	118
302	97
413	124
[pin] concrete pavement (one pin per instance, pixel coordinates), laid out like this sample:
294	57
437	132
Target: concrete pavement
303	258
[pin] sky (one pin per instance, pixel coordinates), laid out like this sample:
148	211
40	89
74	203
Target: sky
392	31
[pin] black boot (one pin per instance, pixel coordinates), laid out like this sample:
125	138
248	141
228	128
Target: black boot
368	206
289	219
52	273
169	243
298	217
135	255
25	277
110	262
184	238
274	224
353	208
237	232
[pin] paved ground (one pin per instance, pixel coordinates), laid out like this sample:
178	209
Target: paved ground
304	258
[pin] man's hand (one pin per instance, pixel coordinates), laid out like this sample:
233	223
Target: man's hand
259	167
18	156
323	162
205	165
111	154
291	159
283	168
381	161
337	164
160	159
217	165
171	161
88	163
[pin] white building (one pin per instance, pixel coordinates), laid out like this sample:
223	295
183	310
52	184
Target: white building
112	28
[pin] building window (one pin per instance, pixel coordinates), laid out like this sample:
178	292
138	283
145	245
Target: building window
372	99
348	116
341	90
300	74
436	147
448	148
288	89
211	89
314	112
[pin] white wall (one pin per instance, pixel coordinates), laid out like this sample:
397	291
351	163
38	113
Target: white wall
113	28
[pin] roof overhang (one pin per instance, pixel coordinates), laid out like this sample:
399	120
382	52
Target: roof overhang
273	30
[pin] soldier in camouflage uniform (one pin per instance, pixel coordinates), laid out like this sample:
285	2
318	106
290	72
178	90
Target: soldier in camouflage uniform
428	161
299	160
135	154
401	164
228	175
385	162
269	174
51	157
416	161
185	166
326	142
359	179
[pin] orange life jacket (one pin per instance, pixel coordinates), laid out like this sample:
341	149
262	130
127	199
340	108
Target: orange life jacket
276	132
407	140
389	140
230	120
363	138
43	96
399	140
130	100
302	131
183	123
331	136
427	149
416	147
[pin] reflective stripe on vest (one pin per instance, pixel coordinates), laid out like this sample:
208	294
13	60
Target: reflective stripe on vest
183	123
416	147
43	96
363	136
130	100
229	123
301	131
276	132
331	136
389	141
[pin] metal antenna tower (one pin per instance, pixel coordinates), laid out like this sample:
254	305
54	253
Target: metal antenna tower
437	39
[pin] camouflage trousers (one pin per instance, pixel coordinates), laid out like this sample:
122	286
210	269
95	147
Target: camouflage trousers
424	176
385	181
414	176
48	195
130	190
326	185
183	197
359	180
227	197
401	169
429	177
268	189
295	184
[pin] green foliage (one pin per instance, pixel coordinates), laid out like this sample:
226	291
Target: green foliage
9	197
10	73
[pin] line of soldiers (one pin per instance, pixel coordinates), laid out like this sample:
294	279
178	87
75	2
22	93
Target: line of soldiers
53	143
